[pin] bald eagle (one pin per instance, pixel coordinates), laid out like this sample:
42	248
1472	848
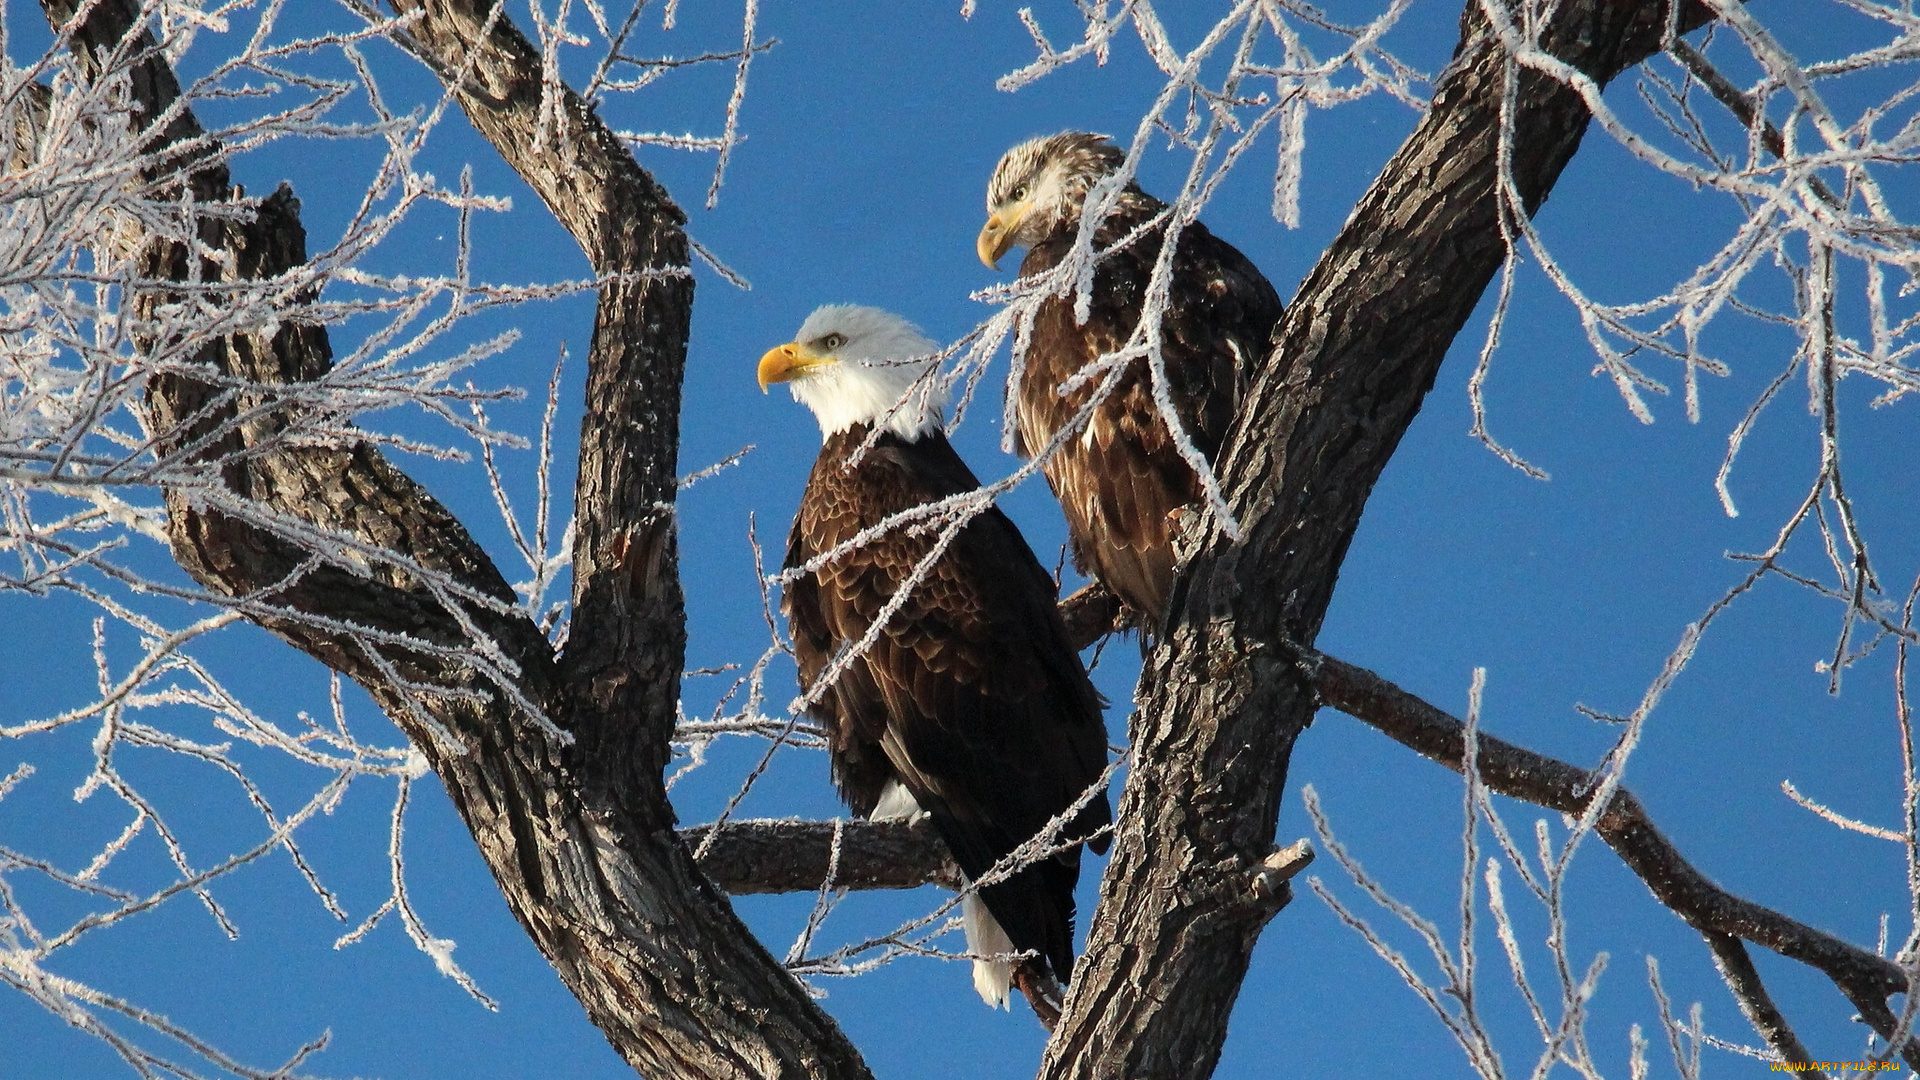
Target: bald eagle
971	706
1120	479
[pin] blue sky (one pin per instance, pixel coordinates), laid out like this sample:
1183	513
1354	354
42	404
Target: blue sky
871	131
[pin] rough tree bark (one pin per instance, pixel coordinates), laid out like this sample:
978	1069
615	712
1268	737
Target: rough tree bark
580	837
794	856
1220	705
782	856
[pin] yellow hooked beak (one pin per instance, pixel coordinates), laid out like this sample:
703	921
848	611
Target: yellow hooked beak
996	236
788	362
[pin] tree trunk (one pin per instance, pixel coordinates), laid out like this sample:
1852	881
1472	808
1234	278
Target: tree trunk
579	837
1221	703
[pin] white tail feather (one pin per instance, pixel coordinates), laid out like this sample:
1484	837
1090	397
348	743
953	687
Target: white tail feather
896	804
993	979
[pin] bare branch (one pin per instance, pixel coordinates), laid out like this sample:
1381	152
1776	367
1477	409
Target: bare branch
1866	979
1730	957
766	856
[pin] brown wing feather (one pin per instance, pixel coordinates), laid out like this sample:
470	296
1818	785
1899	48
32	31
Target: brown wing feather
1120	480
972	696
851	710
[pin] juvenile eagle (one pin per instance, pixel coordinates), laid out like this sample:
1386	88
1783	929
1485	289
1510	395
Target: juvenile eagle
971	706
1120	478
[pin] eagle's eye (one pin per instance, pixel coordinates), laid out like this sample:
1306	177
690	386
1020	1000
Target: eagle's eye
1020	192
833	341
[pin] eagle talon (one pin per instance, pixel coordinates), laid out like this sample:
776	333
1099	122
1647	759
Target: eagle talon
1042	992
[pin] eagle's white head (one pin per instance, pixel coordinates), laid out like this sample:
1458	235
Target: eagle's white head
1041	184
860	365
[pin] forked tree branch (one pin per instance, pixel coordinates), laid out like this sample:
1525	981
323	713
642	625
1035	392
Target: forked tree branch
794	855
1219	706
1721	917
580	838
1743	109
1736	967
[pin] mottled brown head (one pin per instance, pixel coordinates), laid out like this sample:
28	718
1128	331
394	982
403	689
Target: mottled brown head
1040	185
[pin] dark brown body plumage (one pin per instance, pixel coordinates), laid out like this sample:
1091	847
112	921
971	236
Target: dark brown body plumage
1120	479
972	697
